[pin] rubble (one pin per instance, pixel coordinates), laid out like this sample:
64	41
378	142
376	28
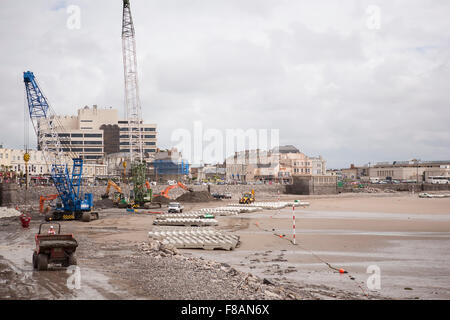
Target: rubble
196	196
244	285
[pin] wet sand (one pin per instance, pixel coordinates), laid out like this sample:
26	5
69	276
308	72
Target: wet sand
408	238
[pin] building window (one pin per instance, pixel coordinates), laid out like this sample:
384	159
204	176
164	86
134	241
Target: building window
77	135
149	137
150	143
77	142
93	135
123	122
93	142
92	150
86	121
123	129
63	135
86	128
125	136
149	129
124	143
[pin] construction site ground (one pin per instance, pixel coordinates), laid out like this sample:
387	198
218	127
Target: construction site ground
408	238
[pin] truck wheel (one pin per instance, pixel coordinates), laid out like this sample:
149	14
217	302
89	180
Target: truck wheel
49	217
42	262
86	217
181	211
35	265
72	260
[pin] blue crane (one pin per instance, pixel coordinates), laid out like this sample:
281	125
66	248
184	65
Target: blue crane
68	185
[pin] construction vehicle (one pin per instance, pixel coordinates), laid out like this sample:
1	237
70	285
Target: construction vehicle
141	193
118	197
73	205
42	200
54	249
248	198
165	192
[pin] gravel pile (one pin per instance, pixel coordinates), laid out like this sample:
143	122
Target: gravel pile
161	199
104	204
374	190
196	196
195	278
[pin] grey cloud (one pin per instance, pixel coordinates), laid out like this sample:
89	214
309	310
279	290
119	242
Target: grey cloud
311	69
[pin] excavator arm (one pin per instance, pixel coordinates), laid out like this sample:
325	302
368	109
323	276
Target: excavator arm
165	193
108	188
184	187
42	200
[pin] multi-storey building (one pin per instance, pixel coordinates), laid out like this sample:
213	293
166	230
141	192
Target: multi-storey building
413	170
280	164
148	137
94	133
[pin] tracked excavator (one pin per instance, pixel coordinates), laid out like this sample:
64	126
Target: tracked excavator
118	198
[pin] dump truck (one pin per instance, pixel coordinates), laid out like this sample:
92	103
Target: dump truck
54	249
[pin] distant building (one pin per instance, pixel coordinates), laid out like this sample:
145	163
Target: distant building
94	133
170	165
412	170
11	161
354	172
212	172
279	164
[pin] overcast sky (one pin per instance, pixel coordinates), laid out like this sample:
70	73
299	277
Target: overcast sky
322	72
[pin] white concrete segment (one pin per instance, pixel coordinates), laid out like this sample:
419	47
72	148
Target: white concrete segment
201	239
185	222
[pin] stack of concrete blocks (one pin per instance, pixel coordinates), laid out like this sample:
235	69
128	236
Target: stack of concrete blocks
194	214
272	205
227	211
205	239
189	222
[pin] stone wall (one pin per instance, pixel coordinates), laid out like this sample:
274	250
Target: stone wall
313	185
409	187
8	194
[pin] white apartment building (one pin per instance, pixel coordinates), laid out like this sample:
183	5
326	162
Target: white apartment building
318	166
11	160
95	132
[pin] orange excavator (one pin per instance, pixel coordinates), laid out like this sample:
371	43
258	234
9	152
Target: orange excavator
42	200
165	192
